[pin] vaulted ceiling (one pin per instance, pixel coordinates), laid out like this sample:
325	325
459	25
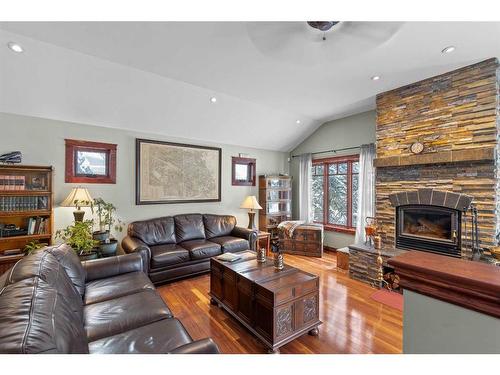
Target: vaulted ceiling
159	77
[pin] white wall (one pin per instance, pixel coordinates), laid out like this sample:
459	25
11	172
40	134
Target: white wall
346	132
42	143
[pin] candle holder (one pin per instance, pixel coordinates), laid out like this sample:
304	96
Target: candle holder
261	255
277	255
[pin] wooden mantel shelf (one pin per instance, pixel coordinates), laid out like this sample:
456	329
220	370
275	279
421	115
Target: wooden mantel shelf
454	156
472	285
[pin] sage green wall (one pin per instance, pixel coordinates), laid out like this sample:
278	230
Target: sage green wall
42	143
431	326
345	132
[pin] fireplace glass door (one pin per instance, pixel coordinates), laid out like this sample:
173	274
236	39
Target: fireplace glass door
429	228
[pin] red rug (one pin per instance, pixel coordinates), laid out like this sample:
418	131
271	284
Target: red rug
392	299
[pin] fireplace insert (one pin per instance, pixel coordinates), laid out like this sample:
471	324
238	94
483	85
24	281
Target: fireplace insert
429	228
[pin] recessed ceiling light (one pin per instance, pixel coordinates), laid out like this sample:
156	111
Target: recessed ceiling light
15	47
213	99
375	78
448	49
298	121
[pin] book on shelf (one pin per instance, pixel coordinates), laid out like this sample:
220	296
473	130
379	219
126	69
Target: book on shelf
8	182
31	203
37	225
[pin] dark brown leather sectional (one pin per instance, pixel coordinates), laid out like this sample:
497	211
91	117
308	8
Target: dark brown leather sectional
52	303
177	246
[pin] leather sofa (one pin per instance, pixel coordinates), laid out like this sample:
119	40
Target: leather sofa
178	246
50	302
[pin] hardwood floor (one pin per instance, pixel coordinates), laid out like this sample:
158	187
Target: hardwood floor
352	321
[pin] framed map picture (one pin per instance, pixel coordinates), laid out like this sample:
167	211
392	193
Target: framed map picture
177	173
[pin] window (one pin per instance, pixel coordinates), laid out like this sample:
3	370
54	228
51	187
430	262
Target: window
335	186
243	171
90	162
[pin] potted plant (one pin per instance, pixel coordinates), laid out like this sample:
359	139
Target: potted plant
32	246
107	220
79	237
102	234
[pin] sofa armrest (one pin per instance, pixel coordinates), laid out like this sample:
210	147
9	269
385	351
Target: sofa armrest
135	245
248	234
112	266
203	346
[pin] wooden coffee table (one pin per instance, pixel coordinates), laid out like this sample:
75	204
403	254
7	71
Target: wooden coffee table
276	306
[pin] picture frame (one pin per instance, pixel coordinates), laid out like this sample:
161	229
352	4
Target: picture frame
169	173
90	162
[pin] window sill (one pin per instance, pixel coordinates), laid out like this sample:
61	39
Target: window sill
334	228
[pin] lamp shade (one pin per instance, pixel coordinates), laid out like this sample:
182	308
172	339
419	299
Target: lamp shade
80	195
251	203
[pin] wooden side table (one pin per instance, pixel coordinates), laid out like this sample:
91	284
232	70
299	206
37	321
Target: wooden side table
264	236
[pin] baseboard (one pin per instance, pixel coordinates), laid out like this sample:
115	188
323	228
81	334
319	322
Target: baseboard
328	248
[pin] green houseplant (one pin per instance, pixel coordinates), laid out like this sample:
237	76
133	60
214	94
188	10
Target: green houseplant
107	220
32	246
79	237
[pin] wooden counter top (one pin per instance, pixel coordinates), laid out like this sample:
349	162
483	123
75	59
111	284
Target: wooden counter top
472	285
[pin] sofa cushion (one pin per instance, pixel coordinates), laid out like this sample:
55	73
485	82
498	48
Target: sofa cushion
189	227
158	337
218	225
68	259
154	231
35	319
44	265
122	314
201	249
116	286
231	244
166	255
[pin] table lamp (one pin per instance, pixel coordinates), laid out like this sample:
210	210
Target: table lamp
78	197
251	204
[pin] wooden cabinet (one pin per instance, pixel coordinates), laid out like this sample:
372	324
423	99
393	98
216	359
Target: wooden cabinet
26	214
306	240
277	306
275	197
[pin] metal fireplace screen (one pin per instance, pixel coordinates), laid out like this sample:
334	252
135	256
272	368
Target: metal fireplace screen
429	228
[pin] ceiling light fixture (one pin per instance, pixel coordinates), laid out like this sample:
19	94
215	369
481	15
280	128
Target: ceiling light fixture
213	99
15	47
298	121
448	49
375	78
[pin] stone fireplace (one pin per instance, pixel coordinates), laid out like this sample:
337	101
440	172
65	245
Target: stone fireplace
421	199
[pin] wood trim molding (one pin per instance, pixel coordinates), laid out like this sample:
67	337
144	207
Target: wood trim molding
473	285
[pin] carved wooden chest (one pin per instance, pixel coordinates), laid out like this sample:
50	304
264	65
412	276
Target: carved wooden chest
276	306
306	240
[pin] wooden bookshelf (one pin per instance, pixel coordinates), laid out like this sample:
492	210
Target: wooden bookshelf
25	193
275	197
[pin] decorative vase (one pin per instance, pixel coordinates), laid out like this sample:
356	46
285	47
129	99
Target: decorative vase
101	235
88	256
261	255
108	249
278	261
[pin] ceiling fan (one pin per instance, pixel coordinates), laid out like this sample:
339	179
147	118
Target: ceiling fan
319	42
322	25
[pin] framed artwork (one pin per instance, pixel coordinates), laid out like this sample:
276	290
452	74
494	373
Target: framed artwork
243	171
90	162
169	172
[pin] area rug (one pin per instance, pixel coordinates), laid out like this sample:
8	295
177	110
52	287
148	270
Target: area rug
392	299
